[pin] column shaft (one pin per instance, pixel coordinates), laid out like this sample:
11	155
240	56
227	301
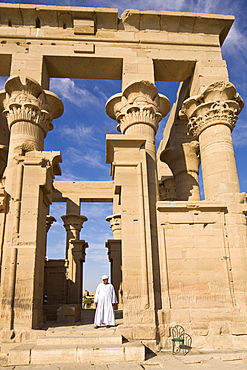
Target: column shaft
212	116
218	162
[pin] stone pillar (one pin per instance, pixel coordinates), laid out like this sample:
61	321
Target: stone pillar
73	224
115	256
212	116
29	111
184	164
133	157
78	252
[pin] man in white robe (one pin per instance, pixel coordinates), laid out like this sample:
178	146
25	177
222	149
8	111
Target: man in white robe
104	299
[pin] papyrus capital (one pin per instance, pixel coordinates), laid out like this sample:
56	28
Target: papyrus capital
218	104
139	102
28	102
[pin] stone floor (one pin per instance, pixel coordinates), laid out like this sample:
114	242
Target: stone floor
227	360
207	361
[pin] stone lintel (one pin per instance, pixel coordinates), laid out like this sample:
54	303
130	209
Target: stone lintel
166	21
86	191
190	206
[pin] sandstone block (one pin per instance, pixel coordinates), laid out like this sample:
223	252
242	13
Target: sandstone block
20	355
53	354
134	351
100	353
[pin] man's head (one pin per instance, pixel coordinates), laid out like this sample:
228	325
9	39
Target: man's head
105	279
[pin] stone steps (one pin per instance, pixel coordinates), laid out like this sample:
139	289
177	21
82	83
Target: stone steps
25	354
78	331
77	344
78	340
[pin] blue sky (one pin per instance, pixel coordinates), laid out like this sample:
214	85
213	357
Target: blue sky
80	133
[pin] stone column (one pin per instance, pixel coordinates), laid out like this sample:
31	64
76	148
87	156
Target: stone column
184	164
212	116
78	252
115	256
138	110
29	111
73	224
167	189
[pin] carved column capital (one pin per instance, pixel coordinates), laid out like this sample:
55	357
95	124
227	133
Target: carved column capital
139	103
115	225
218	104
49	221
73	222
78	250
29	103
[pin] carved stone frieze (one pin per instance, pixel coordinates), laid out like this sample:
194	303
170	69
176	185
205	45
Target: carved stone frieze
139	103
218	104
29	103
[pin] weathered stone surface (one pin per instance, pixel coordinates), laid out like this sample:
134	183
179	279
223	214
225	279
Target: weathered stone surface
20	355
175	259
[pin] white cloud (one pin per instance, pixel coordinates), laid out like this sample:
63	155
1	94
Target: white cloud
239	134
67	175
80	133
97	253
66	88
92	158
97	210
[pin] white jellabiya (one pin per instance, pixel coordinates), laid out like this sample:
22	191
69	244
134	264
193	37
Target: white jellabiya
105	297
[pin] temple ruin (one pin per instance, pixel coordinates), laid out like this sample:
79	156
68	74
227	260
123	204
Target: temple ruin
175	258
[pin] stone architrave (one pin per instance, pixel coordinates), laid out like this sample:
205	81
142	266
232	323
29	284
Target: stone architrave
211	118
184	162
73	224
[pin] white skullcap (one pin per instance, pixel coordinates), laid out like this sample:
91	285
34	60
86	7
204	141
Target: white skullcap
105	277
